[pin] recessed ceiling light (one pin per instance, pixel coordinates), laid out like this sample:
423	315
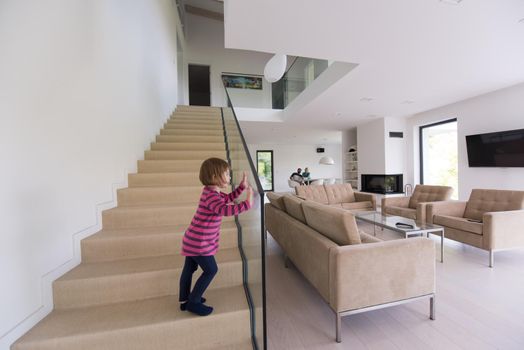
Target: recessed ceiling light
451	2
367	99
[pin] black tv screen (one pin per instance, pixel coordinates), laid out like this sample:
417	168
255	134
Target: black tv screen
496	149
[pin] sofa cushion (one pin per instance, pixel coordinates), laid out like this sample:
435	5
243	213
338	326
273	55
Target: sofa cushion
401	211
367	238
458	223
337	224
339	193
484	201
312	193
276	199
427	193
293	207
366	205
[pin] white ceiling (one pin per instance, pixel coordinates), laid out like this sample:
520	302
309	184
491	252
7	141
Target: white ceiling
424	51
288	133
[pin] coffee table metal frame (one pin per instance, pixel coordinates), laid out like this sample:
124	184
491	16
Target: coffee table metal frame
417	230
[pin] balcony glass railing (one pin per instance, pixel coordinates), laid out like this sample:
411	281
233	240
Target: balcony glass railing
250	226
297	78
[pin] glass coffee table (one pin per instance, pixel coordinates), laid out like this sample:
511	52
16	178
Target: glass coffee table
406	226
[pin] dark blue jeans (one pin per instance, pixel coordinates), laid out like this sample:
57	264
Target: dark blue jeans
209	268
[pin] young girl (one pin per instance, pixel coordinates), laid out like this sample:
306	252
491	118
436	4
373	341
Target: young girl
200	242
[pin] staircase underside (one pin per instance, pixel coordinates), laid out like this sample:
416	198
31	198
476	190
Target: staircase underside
124	293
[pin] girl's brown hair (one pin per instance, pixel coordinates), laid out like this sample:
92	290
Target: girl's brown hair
211	171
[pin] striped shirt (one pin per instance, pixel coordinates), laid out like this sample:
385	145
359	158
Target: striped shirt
202	235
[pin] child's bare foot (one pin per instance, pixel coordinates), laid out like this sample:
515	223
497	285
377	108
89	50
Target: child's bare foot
183	305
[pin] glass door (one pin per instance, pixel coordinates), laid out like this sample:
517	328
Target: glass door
439	155
265	169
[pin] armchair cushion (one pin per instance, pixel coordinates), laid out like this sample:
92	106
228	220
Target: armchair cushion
483	201
400	211
294	208
340	193
277	200
458	223
313	193
336	224
427	193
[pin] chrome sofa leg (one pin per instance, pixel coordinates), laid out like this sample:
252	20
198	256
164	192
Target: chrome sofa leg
491	257
432	307
339	340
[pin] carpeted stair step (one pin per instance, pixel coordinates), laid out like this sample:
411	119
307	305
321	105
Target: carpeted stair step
164	179
168	166
160	195
196	132
193	138
103	283
184	155
188	146
111	245
153	324
149	216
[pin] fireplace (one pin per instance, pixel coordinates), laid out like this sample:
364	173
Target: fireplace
382	183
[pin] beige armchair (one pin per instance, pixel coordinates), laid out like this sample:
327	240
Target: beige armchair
414	206
490	220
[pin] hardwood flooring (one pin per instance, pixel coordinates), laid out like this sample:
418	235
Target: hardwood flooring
477	307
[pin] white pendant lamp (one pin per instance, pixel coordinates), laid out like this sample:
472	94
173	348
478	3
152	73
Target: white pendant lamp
275	68
326	161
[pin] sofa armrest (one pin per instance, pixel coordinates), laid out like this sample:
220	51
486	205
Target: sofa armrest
450	208
503	229
363	197
394	202
370	274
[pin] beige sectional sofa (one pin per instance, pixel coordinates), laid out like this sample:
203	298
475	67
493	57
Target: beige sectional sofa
414	206
338	195
490	220
353	271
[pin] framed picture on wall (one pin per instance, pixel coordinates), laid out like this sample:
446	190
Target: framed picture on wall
242	81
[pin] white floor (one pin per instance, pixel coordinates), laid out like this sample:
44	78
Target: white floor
477	307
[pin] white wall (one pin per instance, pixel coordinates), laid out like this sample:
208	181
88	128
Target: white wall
395	148
287	158
205	46
84	87
496	111
371	147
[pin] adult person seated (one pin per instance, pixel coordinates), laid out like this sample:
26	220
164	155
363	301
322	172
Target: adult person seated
306	175
297	176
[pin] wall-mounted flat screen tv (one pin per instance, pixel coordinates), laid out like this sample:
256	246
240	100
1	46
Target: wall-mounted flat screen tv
496	149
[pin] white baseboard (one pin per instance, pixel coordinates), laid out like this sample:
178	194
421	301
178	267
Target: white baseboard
18	330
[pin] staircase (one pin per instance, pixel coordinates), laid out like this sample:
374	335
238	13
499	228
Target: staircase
124	293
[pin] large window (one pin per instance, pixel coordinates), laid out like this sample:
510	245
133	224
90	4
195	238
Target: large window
438	154
265	169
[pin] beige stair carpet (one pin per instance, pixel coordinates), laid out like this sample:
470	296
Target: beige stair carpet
124	293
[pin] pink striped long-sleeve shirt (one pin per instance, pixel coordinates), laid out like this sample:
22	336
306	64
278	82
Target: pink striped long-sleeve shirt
202	235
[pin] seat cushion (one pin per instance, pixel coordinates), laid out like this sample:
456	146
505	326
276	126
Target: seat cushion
367	238
312	193
427	193
276	199
357	205
484	201
337	224
293	207
458	223
401	211
340	193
